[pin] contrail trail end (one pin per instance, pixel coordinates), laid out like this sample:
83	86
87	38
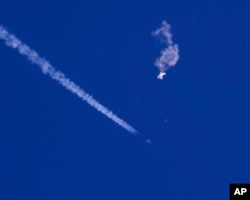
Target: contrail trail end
13	42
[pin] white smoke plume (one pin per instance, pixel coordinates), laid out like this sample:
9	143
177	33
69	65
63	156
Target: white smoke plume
47	68
169	55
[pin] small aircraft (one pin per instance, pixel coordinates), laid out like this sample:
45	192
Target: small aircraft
148	141
161	74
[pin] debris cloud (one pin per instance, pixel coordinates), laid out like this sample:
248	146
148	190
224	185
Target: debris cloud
170	55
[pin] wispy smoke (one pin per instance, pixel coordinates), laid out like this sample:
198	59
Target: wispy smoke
169	55
47	68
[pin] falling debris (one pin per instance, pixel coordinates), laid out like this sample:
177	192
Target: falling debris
160	76
169	55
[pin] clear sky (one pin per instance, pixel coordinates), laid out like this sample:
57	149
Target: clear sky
55	146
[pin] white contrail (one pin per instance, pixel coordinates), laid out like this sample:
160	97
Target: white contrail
169	55
47	68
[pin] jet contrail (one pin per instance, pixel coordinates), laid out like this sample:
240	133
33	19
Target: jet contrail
169	55
47	68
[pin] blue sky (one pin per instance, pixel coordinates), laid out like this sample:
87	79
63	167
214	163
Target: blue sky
54	146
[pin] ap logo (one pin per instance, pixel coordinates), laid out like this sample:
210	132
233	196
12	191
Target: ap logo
239	191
